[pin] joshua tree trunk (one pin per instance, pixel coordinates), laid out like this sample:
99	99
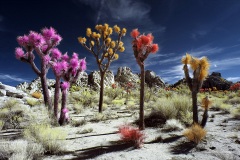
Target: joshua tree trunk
141	113
64	104
101	91
46	96
195	108
205	117
56	95
43	77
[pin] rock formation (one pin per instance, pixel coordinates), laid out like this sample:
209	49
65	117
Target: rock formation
124	75
94	79
153	80
215	80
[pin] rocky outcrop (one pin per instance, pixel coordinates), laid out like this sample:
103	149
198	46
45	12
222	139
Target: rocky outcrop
94	79
82	80
124	75
9	91
215	80
35	85
153	80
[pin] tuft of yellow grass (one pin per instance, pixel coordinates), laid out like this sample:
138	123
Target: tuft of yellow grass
37	95
195	133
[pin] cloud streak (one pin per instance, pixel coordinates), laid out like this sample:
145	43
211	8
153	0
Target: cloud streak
11	78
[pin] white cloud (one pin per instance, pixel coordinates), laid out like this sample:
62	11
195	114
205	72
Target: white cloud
233	79
226	63
10	78
129	12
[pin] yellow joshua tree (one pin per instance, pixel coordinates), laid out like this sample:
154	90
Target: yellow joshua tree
200	69
104	49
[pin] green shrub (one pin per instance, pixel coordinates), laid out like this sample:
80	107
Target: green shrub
236	112
46	136
177	107
78	123
85	131
20	149
11	114
32	101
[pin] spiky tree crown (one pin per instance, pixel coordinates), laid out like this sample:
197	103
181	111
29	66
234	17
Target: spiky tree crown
201	66
101	45
143	45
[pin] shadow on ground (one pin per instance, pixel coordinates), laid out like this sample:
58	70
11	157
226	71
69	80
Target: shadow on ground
100	150
183	148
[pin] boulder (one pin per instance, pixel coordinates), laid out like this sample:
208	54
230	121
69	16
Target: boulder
215	80
82	80
6	90
153	80
94	79
35	85
2	92
124	75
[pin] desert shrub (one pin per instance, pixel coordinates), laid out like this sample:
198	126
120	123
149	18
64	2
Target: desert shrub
98	117
36	95
113	93
131	134
46	136
78	108
85	131
173	125
11	114
32	101
75	88
195	133
84	98
183	89
119	102
177	107
20	149
234	100
236	112
150	94
78	123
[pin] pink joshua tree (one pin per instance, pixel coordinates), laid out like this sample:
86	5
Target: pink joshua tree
142	47
43	44
75	66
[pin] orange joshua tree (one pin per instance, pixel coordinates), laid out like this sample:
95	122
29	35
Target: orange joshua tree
104	49
142	47
200	69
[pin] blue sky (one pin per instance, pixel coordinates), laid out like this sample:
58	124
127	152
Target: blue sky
201	27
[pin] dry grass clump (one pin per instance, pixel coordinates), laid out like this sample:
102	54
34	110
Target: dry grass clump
195	133
87	98
37	95
173	125
176	107
32	101
12	114
20	149
47	136
233	100
236	112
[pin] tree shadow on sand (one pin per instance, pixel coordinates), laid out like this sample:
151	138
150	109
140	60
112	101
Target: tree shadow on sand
165	140
100	150
183	148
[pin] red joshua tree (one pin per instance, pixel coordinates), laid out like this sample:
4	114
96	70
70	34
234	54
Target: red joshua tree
142	47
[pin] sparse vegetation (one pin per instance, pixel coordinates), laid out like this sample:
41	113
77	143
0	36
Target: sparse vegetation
47	136
195	133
